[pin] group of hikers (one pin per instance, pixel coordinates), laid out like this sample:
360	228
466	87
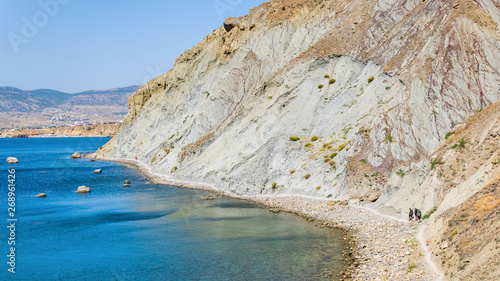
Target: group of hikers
417	213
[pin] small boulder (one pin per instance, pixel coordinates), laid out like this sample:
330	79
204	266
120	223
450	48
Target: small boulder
343	202
231	23
41	195
126	185
373	197
12	160
83	189
126	182
98	171
76	155
330	203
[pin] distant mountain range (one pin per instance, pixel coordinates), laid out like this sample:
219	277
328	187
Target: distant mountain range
31	101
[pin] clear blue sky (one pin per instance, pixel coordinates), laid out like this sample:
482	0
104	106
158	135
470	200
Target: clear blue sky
77	45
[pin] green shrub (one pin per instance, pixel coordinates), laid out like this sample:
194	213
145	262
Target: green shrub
318	187
426	216
411	266
283	8
371	79
294	138
363	161
275	185
320	86
332	81
327	76
174	169
460	144
307	176
292	172
449	134
400	173
388	138
333	155
436	162
342	146
387	88
329	195
308	145
331	163
314	138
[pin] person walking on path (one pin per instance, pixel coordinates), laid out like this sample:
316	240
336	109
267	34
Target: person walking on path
418	214
410	215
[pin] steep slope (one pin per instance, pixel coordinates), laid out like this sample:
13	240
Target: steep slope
404	73
459	181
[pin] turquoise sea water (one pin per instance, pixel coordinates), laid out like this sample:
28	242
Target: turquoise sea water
143	232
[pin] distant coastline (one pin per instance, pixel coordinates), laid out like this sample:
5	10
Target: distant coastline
99	130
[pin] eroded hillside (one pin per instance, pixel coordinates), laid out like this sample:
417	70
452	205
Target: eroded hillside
459	182
380	83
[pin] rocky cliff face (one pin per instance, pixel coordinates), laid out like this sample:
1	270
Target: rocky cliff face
341	99
379	82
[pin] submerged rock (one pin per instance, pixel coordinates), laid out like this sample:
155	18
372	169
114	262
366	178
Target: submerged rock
83	189
12	160
41	195
76	155
208	197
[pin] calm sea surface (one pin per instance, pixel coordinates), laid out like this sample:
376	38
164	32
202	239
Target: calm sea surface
143	232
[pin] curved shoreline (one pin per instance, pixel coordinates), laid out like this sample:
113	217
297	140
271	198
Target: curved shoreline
378	246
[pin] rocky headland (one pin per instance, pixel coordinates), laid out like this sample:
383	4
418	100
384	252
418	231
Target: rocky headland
101	130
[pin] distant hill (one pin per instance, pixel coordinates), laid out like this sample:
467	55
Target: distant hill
31	101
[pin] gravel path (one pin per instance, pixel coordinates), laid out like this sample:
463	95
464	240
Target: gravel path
381	247
385	248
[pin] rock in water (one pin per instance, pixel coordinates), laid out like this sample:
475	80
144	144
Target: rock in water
12	160
209	197
98	171
126	182
83	189
41	195
76	155
126	185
